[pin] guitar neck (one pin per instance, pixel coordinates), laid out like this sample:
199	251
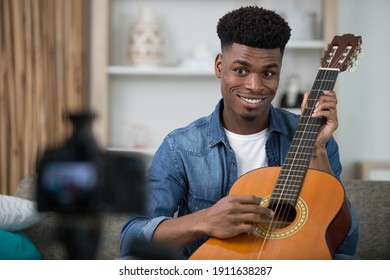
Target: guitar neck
299	155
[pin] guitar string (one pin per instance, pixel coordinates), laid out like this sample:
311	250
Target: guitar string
319	93
304	148
285	181
257	240
312	128
328	80
283	209
278	204
281	215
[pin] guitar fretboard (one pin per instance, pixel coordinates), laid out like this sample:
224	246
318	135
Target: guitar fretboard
299	155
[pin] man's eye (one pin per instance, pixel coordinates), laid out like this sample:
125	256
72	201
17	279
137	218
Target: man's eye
268	74
241	71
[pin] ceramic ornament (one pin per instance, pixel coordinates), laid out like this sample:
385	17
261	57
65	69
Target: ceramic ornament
146	40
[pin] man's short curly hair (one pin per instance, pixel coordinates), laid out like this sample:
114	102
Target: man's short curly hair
254	27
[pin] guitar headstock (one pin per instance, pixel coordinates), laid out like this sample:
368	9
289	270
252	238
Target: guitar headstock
342	52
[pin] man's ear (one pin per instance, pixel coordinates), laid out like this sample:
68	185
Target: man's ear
218	65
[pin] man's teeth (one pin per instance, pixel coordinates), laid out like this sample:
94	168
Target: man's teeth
251	100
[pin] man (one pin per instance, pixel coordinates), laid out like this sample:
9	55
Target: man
195	167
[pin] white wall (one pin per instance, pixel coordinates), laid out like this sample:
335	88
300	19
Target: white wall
364	96
145	108
363	134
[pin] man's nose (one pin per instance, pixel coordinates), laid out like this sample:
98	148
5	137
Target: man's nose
255	83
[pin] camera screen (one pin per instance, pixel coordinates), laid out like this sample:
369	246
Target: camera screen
69	182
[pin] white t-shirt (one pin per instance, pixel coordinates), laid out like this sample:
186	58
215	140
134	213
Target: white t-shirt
249	150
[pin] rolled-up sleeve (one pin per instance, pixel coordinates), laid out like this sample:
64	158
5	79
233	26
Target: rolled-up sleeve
164	195
137	227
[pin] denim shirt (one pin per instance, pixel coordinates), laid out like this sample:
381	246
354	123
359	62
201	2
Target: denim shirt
195	167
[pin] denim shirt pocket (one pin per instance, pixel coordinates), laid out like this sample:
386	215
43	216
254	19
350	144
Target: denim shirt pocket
200	200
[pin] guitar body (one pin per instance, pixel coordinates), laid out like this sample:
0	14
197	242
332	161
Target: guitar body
321	220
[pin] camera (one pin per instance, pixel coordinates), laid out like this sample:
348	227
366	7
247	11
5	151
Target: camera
77	177
78	181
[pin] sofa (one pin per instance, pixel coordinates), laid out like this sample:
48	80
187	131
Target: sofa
370	198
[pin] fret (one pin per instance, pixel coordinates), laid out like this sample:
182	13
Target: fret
315	125
286	197
304	153
292	177
288	189
298	165
300	152
290	181
293	165
302	134
288	165
285	192
292	171
309	132
297	158
305	136
309	123
297	172
287	180
306	118
308	128
302	146
290	184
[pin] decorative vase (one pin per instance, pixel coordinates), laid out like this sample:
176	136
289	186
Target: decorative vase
292	96
146	40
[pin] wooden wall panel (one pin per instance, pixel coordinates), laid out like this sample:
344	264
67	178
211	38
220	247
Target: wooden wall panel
43	77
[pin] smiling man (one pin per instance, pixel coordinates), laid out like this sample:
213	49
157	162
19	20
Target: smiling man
195	166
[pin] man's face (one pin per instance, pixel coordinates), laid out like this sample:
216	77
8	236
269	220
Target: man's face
249	80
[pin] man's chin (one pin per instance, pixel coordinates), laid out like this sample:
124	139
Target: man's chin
248	118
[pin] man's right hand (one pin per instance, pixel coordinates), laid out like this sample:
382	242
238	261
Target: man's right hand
233	215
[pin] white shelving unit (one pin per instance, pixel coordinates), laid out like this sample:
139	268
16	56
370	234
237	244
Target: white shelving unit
142	104
306	44
183	71
157	71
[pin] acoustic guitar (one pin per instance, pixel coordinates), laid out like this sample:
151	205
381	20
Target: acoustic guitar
312	214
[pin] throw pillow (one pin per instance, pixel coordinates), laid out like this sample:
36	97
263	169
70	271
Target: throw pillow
17	213
17	246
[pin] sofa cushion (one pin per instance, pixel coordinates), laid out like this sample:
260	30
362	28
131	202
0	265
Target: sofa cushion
372	202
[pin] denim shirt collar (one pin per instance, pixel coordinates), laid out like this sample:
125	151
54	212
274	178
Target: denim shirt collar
216	130
217	133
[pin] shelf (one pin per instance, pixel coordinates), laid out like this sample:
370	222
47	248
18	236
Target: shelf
130	150
183	71
306	44
296	111
158	71
144	154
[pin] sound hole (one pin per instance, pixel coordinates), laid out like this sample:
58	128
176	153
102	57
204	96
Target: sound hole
285	214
